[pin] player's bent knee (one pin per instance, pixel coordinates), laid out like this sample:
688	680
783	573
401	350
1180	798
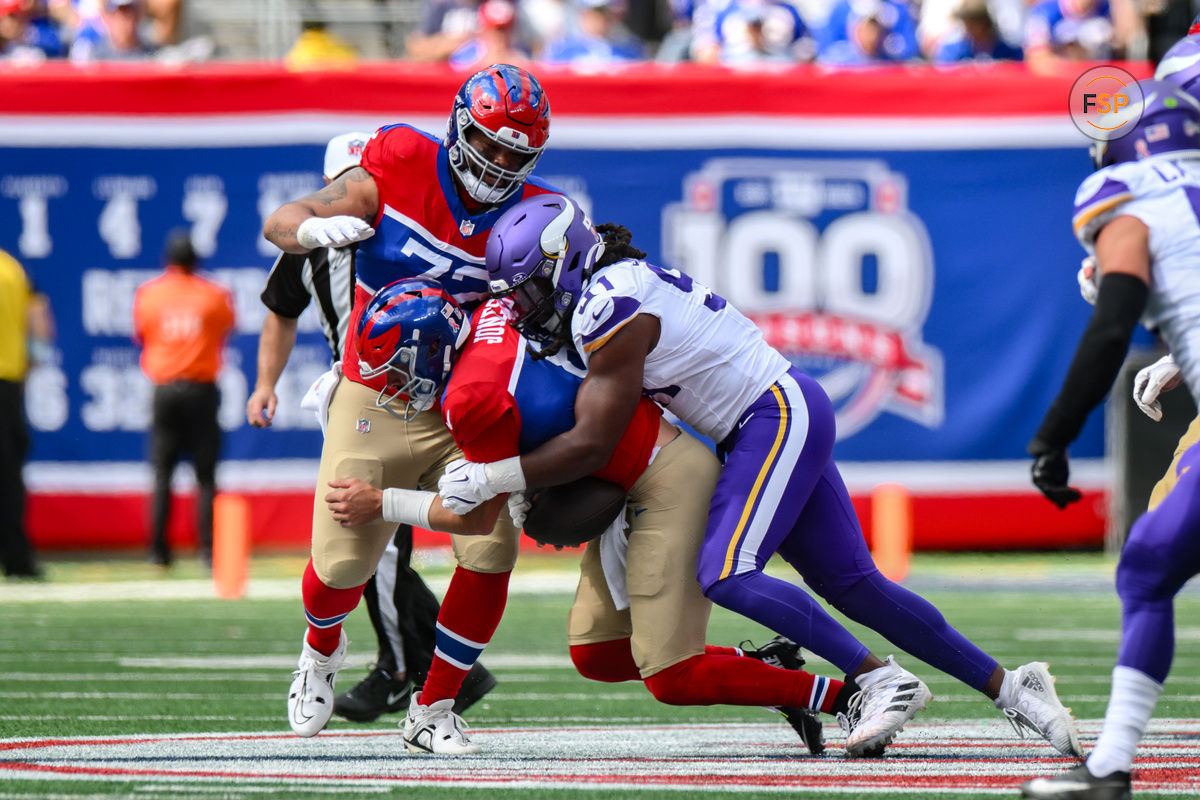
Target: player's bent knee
1142	573
343	573
485	554
673	687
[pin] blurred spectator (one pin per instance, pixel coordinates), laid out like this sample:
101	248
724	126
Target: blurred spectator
876	32
26	329
166	17
599	37
319	48
752	31
938	21
976	39
445	26
182	321
27	35
115	35
676	44
545	20
495	42
1073	30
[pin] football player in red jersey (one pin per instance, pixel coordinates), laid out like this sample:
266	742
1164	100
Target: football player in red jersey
638	612
419	206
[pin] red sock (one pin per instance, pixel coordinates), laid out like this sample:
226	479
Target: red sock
714	650
611	661
471	612
325	608
738	681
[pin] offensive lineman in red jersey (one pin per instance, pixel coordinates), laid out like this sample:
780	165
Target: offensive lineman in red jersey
638	612
419	206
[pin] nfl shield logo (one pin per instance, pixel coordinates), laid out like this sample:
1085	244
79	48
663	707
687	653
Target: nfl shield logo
363	425
466	227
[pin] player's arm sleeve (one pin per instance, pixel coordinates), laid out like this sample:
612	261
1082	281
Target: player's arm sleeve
484	422
285	293
1098	359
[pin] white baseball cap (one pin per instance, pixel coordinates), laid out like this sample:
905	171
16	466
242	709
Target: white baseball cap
344	152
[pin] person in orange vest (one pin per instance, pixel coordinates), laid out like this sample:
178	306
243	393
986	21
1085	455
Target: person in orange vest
181	320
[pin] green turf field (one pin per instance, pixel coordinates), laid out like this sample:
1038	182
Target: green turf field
115	649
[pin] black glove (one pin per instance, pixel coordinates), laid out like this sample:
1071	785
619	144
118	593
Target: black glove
1050	474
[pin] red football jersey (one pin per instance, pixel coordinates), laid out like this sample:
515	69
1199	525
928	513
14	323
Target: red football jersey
500	402
422	229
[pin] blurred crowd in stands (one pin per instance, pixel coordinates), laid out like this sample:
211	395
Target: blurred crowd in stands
595	33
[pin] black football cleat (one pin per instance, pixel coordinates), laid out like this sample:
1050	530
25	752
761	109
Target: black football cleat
784	653
377	694
477	683
1079	784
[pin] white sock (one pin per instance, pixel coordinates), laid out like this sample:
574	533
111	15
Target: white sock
1134	695
1007	688
874	676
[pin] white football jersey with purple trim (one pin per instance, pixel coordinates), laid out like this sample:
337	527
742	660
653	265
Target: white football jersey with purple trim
710	362
1165	195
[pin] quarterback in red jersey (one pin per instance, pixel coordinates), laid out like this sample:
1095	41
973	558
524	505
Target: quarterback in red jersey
638	612
418	207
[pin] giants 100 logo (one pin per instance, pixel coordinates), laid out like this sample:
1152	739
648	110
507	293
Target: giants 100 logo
827	260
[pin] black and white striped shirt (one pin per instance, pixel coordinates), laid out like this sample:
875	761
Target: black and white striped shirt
325	273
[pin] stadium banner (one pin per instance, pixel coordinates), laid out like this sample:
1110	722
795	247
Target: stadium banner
901	234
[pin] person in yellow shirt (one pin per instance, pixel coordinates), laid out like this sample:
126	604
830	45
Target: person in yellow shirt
182	320
24	322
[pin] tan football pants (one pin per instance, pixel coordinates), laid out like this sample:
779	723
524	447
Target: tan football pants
667	618
366	442
1168	481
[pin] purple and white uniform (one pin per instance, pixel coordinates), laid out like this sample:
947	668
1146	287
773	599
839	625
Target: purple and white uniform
1162	551
779	490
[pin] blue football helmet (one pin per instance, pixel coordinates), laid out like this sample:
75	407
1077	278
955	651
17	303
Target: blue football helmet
1169	123
410	332
507	105
541	252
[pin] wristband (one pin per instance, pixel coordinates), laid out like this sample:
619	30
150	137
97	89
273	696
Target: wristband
505	476
407	506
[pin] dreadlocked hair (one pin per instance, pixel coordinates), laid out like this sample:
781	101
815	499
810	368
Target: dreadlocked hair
616	244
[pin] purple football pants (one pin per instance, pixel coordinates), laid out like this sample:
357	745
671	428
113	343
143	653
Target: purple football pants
779	492
1161	554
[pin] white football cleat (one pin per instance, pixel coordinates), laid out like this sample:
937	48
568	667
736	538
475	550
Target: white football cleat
880	709
310	699
1032	704
435	728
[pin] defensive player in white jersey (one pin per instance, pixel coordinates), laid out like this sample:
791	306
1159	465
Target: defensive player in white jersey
1139	215
644	329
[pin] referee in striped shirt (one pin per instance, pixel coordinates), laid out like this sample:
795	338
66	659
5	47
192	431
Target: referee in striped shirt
405	622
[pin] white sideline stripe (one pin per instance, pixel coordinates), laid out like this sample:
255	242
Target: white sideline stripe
1089	634
570	132
532	583
289	475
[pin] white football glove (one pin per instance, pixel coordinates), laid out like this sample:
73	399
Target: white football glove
518	507
1161	376
1089	280
464	485
336	231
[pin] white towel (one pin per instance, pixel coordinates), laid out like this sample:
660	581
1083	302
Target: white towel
318	396
614	545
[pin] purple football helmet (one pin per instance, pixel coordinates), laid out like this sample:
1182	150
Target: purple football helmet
1181	65
1169	123
541	252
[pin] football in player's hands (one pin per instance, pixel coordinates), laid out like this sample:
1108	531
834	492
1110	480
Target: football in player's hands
573	513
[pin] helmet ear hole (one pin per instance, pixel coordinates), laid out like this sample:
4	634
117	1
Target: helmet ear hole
574	262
